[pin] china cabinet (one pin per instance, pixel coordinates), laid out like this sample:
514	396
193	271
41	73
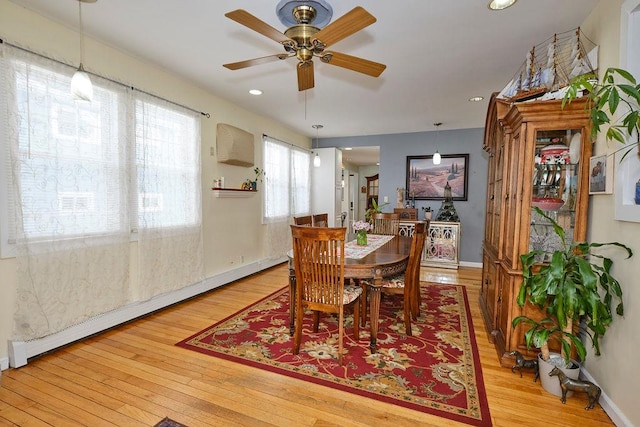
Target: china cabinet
538	156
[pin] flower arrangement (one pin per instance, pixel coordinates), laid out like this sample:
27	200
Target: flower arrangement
361	226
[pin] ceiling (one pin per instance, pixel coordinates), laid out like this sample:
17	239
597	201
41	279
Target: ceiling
438	55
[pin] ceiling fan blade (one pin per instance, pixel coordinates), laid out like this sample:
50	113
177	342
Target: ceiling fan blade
373	69
349	23
248	20
255	61
305	75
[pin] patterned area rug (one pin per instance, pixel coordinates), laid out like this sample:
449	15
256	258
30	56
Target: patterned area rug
167	422
436	371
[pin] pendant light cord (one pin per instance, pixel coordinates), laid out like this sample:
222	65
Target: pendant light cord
81	32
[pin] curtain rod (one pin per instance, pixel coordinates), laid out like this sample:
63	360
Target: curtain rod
288	143
207	115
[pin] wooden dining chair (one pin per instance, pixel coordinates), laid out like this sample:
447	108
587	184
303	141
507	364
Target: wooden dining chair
320	287
385	223
321	220
306	220
407	284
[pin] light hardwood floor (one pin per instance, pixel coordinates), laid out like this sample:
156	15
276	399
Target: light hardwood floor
134	375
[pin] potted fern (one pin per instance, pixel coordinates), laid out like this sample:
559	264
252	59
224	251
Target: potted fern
576	291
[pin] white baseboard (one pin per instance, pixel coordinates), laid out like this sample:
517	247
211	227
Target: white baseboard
607	404
21	351
4	363
470	264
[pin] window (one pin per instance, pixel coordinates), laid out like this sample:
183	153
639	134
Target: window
74	169
288	181
167	165
64	178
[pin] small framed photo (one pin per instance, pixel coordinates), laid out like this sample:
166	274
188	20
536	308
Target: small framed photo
601	174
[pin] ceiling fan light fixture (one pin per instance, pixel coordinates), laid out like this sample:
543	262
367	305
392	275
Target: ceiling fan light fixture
500	4
287	10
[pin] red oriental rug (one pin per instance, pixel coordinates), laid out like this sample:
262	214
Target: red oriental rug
436	371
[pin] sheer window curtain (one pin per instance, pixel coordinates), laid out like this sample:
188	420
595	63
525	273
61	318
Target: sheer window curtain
169	203
287	192
67	194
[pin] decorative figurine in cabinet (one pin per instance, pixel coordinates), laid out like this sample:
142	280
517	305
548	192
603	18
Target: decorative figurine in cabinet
539	155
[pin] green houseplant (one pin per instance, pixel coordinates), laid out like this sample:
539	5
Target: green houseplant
253	183
576	288
375	208
616	93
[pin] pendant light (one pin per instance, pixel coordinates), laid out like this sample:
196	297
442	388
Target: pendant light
500	4
316	159
436	156
81	87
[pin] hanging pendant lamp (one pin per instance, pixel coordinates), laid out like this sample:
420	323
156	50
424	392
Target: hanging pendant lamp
81	87
316	159
436	156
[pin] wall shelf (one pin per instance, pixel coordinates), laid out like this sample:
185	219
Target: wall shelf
232	192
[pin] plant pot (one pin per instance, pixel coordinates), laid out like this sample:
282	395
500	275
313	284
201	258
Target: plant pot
552	384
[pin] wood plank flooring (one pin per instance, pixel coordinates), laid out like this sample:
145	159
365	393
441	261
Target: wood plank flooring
134	375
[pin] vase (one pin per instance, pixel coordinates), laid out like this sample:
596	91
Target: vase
361	238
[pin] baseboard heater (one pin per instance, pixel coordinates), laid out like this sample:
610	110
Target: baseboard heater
21	351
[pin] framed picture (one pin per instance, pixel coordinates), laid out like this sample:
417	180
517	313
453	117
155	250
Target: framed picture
426	181
601	174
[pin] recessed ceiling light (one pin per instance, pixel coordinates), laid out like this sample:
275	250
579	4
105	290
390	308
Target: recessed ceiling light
255	92
348	148
476	98
500	4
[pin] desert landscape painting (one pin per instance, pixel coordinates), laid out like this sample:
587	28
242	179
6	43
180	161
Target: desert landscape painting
427	181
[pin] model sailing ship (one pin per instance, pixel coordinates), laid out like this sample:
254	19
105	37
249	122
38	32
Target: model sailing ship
550	66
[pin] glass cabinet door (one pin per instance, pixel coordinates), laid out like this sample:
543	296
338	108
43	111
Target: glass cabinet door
555	187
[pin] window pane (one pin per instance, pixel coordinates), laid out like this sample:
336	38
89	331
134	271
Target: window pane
68	155
287	189
167	169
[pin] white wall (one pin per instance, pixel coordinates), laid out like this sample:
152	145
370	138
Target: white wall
616	369
227	244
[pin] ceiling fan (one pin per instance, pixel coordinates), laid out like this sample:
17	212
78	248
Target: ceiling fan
304	41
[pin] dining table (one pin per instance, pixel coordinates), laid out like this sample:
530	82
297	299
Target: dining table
383	256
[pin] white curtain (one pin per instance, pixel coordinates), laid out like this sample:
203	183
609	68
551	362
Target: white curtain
287	192
169	196
67	194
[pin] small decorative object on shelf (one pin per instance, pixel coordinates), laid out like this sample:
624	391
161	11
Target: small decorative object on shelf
427	212
252	184
218	183
361	228
637	198
447	212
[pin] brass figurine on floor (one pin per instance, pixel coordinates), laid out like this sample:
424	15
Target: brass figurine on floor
521	362
566	384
